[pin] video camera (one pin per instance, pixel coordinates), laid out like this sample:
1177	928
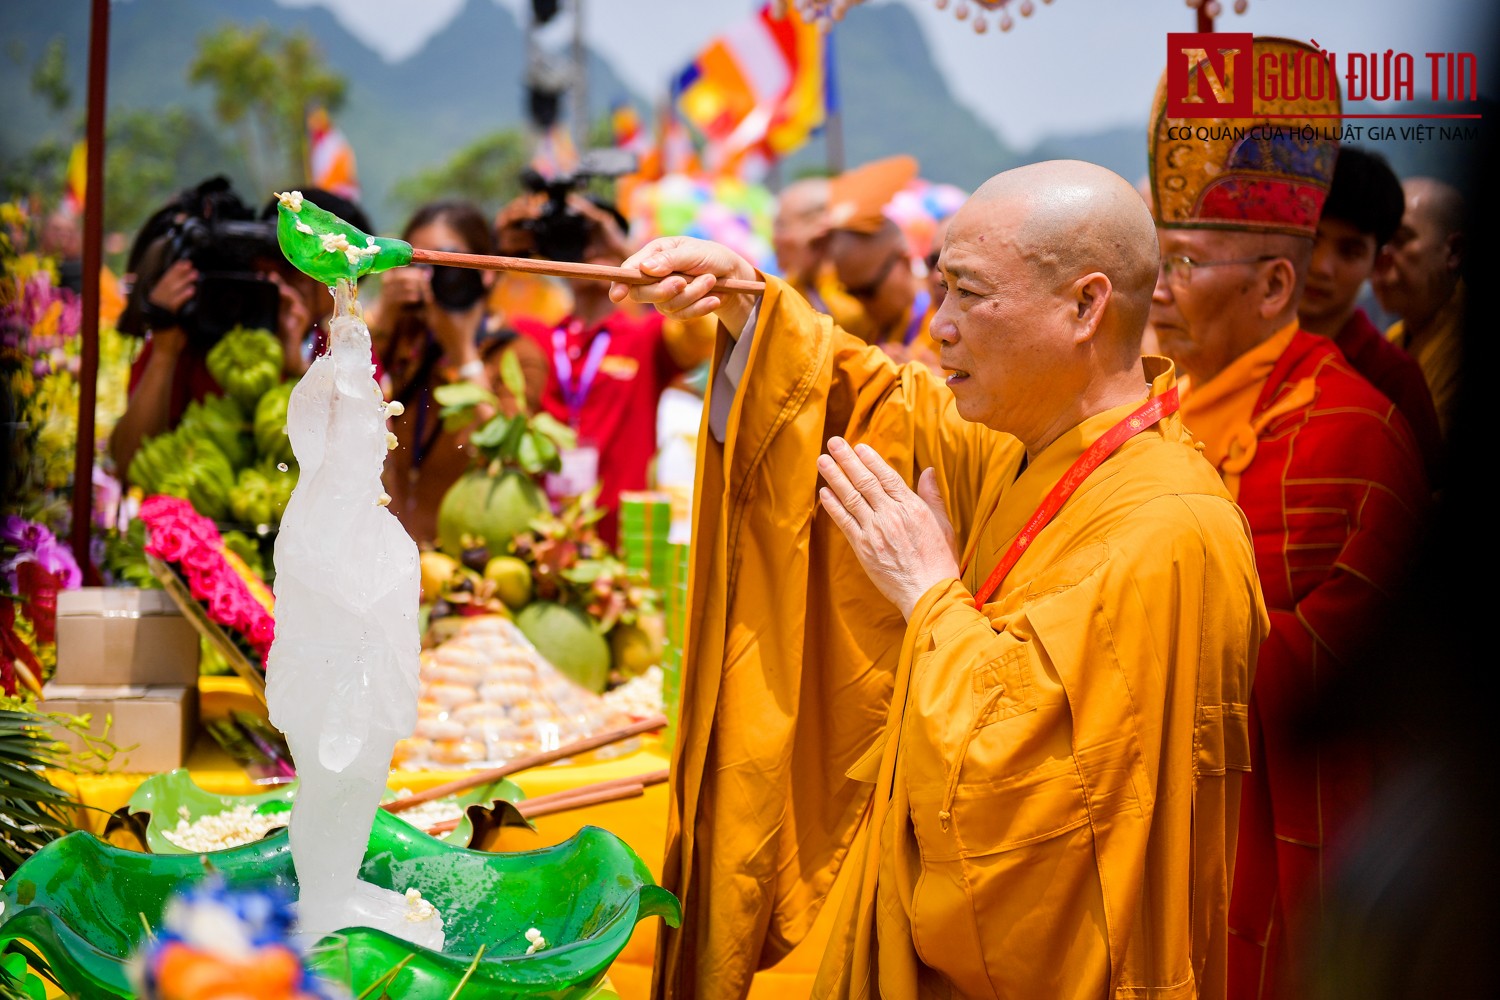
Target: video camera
230	250
558	232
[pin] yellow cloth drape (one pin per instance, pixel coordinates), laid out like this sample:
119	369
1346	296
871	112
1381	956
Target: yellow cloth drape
1043	786
1439	353
1217	412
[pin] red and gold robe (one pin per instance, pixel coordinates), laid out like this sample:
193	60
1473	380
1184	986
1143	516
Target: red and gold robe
1330	478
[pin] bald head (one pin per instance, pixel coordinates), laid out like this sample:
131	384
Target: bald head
875	269
1419	271
1076	218
1049	271
800	225
1436	202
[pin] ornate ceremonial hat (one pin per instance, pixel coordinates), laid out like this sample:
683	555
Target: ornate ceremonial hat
857	197
1268	172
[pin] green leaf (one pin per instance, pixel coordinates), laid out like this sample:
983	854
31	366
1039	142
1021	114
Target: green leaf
563	436
547	452
586	571
528	454
510	447
494	431
460	401
513	378
461	394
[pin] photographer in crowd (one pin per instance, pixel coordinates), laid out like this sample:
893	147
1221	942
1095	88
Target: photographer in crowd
202	265
430	329
608	366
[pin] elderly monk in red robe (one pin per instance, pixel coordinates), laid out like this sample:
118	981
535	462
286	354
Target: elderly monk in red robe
1323	465
987	645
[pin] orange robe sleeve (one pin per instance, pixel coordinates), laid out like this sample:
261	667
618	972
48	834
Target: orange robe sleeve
790	654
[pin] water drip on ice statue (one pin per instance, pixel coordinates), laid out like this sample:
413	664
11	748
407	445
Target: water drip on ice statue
341	679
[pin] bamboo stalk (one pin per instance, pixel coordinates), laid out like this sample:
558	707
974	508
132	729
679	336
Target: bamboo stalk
522	763
580	801
573	798
651	778
562	269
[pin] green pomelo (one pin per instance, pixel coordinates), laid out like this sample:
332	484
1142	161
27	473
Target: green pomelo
568	640
493	509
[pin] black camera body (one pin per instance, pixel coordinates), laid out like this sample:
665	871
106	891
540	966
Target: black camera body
559	232
229	249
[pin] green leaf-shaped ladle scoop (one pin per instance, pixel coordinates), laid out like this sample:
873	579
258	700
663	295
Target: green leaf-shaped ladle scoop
323	246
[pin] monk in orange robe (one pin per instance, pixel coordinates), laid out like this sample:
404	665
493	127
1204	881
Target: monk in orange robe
1418	280
997	664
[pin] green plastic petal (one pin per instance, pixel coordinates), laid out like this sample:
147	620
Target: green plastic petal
158	805
306	232
83	905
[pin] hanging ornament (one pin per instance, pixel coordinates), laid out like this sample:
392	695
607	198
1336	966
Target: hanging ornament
961	11
980	24
1240	6
1213	8
940	4
1027	8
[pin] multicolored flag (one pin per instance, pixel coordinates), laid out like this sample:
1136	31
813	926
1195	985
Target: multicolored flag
555	155
330	157
762	83
77	179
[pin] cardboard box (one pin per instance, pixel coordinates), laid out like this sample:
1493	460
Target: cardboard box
123	635
157	723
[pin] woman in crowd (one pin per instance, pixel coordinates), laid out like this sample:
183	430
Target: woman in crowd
430	329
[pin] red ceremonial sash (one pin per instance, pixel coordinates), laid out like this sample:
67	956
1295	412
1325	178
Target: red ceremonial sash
1142	417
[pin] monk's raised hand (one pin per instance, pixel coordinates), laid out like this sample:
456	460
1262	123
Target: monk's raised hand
687	269
903	539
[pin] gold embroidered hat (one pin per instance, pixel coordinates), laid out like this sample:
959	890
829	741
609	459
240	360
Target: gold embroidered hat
1267	170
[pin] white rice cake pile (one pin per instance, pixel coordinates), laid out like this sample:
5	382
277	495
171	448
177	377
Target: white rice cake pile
488	697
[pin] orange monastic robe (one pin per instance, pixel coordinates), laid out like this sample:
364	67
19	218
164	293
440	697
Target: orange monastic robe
1439	352
1039	796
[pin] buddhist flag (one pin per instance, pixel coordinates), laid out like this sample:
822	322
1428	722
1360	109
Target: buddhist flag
78	177
555	155
625	123
762	81
330	157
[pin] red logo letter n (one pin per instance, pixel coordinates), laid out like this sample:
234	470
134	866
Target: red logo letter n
1202	75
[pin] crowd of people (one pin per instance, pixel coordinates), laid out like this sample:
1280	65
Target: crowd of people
1017	583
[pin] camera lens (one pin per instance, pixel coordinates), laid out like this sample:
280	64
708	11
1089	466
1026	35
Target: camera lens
456	288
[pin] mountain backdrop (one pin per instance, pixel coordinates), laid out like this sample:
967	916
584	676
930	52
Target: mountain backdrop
466	82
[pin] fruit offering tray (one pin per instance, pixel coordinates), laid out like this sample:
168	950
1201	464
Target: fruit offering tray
488	697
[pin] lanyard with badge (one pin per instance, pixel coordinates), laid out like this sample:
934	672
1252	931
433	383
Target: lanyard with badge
580	464
1147	414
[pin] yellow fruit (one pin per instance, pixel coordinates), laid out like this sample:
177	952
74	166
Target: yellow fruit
512	580
636	647
437	570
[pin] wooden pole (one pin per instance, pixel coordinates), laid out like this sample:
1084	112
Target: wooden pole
562	269
93	263
494	774
833	126
580	82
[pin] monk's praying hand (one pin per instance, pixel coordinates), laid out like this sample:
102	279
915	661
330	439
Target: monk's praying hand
904	540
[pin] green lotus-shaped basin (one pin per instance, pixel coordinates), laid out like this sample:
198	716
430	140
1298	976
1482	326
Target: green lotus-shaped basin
164	799
84	906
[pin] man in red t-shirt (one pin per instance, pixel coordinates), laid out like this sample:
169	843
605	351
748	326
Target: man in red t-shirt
1359	218
609	366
